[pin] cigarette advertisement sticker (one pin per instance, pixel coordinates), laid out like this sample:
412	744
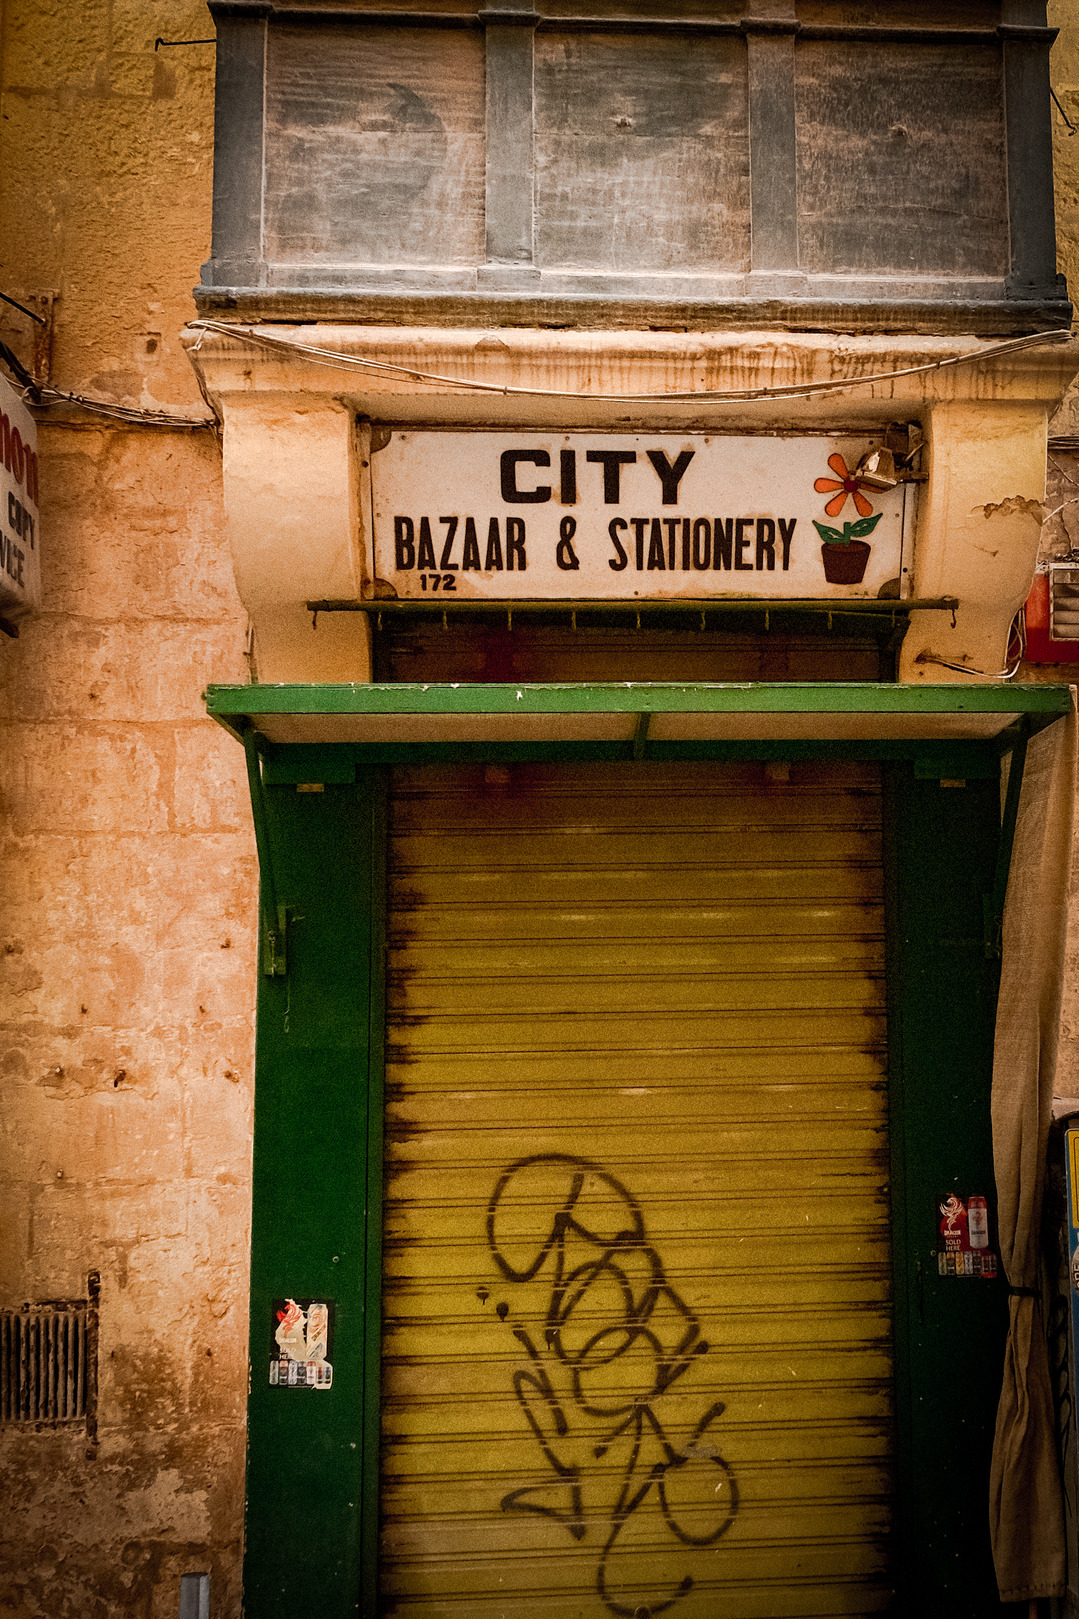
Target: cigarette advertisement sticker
301	1343
965	1246
632	516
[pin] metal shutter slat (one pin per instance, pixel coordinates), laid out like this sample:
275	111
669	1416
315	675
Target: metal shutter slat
664	987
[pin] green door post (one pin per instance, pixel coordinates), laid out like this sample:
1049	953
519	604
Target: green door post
316	1203
940	858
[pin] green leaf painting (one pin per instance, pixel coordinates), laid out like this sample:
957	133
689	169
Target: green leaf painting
851	531
864	526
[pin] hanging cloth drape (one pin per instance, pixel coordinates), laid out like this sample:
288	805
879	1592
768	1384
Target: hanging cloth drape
1026	1512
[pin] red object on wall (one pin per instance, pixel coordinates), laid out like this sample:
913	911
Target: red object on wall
1041	648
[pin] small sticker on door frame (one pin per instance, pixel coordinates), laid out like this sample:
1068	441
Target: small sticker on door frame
301	1343
965	1246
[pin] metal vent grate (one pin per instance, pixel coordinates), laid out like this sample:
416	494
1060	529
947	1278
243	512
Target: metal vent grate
1063	602
48	1362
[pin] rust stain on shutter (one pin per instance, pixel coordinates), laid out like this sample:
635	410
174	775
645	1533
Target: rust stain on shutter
637	1355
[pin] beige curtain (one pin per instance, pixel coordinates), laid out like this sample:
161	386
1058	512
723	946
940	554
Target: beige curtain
1026	1513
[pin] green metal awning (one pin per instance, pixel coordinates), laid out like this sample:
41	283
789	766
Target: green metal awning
632	712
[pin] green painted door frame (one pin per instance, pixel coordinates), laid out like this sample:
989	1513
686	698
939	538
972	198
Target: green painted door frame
941	846
312	1454
312	1480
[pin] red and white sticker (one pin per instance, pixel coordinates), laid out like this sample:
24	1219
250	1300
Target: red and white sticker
963	1241
301	1338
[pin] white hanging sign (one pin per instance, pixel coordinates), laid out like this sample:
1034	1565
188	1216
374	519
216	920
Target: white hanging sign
601	516
20	538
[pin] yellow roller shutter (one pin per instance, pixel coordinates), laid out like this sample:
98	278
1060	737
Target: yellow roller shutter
636	1349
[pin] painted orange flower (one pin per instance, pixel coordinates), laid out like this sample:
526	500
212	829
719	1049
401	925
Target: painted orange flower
848	484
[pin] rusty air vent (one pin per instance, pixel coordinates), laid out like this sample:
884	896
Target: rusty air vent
48	1363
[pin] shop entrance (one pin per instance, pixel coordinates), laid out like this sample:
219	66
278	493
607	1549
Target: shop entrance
637	1332
633	1026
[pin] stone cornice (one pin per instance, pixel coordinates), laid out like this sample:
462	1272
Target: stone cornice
599	372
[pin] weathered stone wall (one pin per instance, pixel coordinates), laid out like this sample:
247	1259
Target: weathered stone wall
127	867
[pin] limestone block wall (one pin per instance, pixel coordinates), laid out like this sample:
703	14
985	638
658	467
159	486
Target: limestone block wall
127	862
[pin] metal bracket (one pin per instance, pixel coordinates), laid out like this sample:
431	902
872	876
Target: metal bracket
273	915
275	946
993	904
659	606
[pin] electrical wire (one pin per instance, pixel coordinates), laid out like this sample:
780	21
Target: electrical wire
123	413
334	359
1063	114
42	395
967	669
1017	638
351	362
20	373
1056	511
15	304
45	396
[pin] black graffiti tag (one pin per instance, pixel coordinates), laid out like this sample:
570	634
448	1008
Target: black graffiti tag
615	1337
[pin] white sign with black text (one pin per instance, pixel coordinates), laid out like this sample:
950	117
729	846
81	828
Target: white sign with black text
20	539
595	516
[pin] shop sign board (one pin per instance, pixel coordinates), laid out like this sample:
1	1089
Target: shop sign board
602	516
20	537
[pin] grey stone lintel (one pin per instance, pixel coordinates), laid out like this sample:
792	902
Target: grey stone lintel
615	309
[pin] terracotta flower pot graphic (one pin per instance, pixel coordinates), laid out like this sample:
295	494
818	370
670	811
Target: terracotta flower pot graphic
845	564
844	552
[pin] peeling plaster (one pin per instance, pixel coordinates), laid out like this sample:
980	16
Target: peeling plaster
1014	506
